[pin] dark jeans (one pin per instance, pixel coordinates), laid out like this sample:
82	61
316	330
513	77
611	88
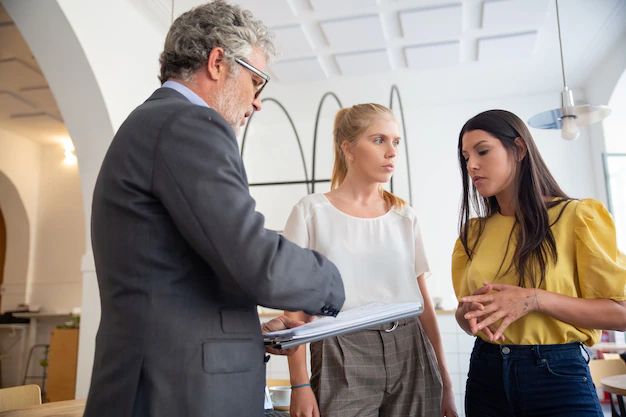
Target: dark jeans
530	381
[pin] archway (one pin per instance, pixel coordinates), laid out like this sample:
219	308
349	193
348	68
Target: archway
3	250
70	75
17	238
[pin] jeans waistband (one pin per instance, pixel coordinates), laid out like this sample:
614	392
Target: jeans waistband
566	350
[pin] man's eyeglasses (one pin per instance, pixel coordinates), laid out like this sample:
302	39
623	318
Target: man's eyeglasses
264	76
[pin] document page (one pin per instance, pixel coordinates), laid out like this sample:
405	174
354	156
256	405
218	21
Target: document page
377	313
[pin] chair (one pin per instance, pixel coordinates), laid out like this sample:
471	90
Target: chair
602	368
19	397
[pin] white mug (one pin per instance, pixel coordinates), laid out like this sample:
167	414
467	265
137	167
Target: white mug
281	396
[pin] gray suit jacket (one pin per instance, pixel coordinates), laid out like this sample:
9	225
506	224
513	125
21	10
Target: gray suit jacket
182	260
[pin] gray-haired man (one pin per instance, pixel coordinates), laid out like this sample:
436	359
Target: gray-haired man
181	256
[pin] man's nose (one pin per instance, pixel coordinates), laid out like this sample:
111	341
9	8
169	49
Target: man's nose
257	104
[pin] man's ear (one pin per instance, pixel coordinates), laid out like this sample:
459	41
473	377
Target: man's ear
216	64
521	146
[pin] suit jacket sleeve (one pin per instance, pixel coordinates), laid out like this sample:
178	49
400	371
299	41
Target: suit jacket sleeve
199	177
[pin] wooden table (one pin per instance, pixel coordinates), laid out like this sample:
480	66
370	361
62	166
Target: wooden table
615	384
71	408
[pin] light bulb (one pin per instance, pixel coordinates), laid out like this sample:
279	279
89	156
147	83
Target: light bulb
569	131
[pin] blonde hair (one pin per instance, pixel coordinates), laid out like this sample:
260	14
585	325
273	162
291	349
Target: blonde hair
350	123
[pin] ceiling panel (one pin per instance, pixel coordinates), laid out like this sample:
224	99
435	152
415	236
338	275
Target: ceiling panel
12	44
271	12
339	27
362	63
42	97
13	104
433	56
22	75
4	16
292	42
308	69
354	33
39	127
432	24
342	6
514	14
512	47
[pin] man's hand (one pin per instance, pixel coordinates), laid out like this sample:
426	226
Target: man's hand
280	323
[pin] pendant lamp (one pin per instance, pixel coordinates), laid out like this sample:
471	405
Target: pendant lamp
569	116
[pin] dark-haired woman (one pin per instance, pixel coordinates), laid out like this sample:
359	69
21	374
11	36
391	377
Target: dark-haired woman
536	274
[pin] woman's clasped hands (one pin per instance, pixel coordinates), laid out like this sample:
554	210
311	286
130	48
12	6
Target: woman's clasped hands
493	302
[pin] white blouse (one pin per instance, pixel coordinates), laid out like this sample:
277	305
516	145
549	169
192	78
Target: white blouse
379	258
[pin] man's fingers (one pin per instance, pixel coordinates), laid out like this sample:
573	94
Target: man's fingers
289	322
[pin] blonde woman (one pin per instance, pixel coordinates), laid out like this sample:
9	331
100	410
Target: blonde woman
374	239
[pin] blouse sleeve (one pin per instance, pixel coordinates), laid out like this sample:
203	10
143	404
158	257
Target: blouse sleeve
295	229
601	266
460	264
421	262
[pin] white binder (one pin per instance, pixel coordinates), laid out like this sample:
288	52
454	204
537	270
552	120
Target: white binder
346	322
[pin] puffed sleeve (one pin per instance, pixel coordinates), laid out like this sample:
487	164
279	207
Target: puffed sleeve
460	264
601	266
295	229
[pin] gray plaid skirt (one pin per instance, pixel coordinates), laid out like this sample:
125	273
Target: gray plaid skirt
377	372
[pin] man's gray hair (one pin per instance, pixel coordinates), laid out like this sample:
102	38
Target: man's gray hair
195	33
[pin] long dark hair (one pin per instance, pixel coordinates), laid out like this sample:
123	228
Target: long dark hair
535	244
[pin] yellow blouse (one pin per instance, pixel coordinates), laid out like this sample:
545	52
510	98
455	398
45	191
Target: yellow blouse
589	266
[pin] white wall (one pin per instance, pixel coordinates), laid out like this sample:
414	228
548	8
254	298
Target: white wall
43	209
60	243
271	154
598	90
20	161
614	132
107	77
43	255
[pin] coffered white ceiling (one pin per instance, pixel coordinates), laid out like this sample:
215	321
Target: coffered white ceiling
330	39
321	39
27	106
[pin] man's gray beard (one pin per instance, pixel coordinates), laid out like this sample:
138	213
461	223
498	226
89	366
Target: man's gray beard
226	105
